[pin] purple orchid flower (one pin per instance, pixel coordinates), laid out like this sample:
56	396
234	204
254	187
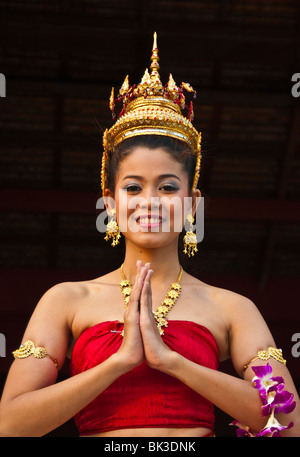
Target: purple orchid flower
274	399
273	427
242	430
280	402
265	383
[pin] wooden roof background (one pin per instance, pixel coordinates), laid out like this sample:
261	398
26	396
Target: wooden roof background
60	60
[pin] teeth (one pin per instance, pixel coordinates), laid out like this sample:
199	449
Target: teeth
149	220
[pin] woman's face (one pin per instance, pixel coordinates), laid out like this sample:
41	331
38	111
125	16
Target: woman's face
151	197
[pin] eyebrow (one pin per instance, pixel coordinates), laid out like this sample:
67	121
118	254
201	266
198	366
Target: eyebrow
167	175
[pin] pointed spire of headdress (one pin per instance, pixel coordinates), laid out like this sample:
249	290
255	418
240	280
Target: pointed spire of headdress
112	102
155	78
154	59
146	78
125	86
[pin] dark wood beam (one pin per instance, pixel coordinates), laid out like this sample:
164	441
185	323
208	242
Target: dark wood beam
242	44
59	201
215	125
287	160
273	229
56	179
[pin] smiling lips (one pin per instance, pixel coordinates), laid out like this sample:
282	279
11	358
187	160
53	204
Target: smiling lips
149	220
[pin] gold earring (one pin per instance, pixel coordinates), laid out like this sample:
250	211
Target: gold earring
190	239
112	229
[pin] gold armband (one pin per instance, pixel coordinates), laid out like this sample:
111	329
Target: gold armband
267	354
28	348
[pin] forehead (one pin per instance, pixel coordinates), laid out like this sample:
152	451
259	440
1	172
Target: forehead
147	161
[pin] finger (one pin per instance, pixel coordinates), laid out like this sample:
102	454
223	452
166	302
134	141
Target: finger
146	296
140	273
140	278
139	266
136	291
148	277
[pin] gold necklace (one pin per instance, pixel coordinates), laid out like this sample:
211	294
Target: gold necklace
165	306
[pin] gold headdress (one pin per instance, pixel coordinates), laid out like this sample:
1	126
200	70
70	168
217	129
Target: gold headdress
152	109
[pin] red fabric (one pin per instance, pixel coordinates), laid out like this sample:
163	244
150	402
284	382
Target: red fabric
145	397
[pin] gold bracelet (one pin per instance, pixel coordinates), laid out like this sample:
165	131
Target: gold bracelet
28	348
266	355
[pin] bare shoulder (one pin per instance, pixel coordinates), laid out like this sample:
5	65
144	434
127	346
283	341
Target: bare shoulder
51	323
62	298
60	303
68	295
55	310
237	308
230	302
233	317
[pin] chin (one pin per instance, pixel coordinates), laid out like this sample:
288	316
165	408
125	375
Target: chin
151	240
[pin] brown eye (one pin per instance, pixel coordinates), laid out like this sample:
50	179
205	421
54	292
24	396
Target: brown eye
132	188
169	187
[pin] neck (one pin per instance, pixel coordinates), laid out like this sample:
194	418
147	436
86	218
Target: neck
163	261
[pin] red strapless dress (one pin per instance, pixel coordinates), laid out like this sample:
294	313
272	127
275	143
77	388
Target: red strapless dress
145	397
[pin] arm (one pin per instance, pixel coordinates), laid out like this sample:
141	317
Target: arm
237	397
249	334
30	389
48	405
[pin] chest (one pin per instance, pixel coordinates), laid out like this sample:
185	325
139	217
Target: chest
191	305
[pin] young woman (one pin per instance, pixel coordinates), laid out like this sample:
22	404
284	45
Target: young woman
133	372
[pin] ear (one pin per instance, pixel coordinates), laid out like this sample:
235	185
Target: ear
196	196
108	198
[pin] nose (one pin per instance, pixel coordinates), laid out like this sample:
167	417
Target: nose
149	199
